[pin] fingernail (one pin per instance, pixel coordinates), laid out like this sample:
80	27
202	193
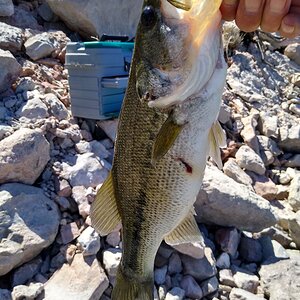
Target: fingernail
277	6
287	28
252	6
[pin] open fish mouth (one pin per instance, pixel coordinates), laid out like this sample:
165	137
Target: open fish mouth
181	4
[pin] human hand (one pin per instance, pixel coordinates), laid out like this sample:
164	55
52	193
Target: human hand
270	15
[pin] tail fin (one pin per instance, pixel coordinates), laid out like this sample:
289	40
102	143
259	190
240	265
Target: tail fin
130	289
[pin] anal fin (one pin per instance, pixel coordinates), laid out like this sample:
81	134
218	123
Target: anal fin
186	232
104	212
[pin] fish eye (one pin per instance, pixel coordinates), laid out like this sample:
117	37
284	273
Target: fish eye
149	17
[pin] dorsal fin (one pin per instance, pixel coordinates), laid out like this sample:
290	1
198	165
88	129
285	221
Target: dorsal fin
104	212
217	140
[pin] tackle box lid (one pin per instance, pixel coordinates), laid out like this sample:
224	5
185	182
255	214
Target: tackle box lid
96	45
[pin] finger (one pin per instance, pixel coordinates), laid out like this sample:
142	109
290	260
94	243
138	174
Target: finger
290	26
249	14
228	9
273	14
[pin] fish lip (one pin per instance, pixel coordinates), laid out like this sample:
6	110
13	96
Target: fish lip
180	5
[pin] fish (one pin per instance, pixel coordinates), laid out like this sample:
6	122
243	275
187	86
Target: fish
167	129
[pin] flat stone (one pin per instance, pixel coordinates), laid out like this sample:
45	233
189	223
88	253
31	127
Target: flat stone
84	279
69	232
228	239
30	292
246	281
294	193
226	277
111	260
200	269
195	250
11	38
240	294
89	241
249	160
278	235
29	223
225	202
191	287
250	250
6	8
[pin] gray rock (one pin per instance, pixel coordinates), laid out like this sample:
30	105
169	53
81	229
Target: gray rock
250	250
94	18
3	113
56	107
175	293
290	138
33	110
294	228
272	250
223	261
249	160
21	151
5	294
226	277
89	241
40	45
113	239
268	144
200	269
110	128
86	172
6	8
26	272
83	279
10	70
293	162
278	235
295	108
175	264
240	294
246	281
281	280
210	286
195	250
28	223
5	130
160	275
45	12
228	203
294	195
11	38
234	171
30	292
268	125
26	84
292	51
111	260
69	233
248	132
228	239
191	287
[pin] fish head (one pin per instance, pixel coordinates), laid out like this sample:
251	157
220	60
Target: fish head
169	36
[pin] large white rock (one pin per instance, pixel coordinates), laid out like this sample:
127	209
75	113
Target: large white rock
84	279
225	202
23	156
28	223
11	38
10	69
95	18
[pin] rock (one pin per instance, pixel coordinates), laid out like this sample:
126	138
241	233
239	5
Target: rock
268	125
30	292
5	130
293	162
86	172
226	277
268	144
200	269
248	132
224	114
278	235
249	160
113	239
62	187
175	293
26	272
228	203
94	18
69	233
27	84
83	279
21	151
3	113
29	223
11	38
240	294
283	273
195	250
191	287
295	108
45	12
234	171
282	192
55	107
228	239
246	281
272	250
34	109
94	147
6	8
5	294
223	261
292	51
290	138
160	275
40	45
110	128
111	260
294	228
294	195
210	286
250	250
175	265
10	69
89	241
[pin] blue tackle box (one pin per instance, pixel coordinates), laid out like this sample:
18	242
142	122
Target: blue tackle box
98	77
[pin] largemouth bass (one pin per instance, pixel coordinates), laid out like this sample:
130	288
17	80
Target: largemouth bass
167	130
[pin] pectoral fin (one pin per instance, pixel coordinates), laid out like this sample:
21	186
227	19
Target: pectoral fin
186	232
182	4
217	140
165	139
104	212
